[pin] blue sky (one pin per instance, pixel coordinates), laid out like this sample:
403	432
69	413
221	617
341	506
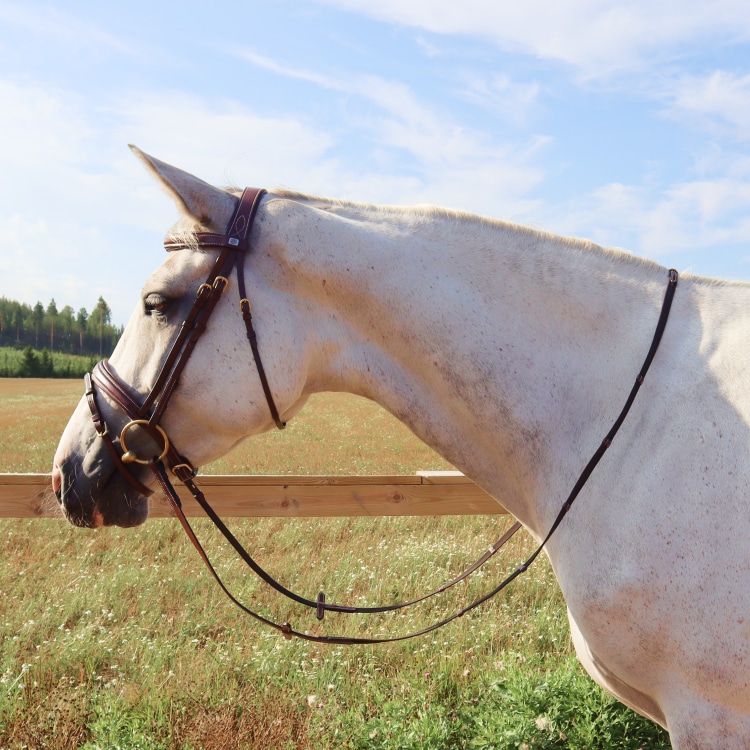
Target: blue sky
624	122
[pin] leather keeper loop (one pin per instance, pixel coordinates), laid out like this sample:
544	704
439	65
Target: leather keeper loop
321	611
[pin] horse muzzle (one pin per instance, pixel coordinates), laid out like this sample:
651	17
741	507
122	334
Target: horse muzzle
93	502
89	488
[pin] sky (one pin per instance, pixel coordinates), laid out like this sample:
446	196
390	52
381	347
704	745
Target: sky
627	123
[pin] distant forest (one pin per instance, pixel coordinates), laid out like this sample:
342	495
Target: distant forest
65	331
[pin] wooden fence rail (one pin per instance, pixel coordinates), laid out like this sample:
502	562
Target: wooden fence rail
427	493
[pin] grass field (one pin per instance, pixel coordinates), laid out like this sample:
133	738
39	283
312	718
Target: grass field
119	638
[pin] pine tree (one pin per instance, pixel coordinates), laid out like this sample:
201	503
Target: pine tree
52	315
18	321
102	314
37	317
81	319
29	364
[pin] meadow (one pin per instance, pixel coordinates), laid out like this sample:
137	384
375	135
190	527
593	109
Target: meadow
120	639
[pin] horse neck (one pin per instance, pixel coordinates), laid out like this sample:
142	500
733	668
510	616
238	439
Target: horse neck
502	348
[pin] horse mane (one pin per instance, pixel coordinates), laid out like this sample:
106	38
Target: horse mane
185	229
427	212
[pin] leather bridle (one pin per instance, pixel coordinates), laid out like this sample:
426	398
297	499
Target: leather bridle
147	413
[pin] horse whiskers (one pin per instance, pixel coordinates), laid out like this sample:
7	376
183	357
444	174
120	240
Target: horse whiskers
49	505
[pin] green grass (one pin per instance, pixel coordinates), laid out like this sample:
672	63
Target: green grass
119	638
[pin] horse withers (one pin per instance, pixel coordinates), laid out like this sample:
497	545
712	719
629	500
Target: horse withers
509	351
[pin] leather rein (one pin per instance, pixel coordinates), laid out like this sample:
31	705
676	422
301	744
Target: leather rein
146	414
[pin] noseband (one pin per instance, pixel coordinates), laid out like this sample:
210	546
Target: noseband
146	414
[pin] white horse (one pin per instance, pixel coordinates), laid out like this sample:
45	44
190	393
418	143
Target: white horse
510	352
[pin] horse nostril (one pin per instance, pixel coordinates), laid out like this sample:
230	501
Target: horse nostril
57	483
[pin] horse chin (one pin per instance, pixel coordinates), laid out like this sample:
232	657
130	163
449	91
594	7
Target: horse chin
115	503
126	509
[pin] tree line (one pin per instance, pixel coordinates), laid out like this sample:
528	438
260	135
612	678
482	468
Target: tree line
65	330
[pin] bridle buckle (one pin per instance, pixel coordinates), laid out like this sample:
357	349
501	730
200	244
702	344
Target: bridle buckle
187	470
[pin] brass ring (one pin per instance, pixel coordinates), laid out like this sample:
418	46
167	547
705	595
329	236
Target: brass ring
129	457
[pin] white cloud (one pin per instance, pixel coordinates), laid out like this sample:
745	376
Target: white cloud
49	25
288	71
458	166
718	102
40	126
36	265
64	159
223	142
510	99
420	152
669	225
594	36
403	123
83	213
46	194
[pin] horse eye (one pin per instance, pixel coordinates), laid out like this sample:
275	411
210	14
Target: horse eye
155	304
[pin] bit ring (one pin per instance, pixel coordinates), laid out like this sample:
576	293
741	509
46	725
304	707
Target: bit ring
128	456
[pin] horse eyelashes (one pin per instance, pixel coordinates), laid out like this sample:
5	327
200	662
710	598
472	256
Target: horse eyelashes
155	304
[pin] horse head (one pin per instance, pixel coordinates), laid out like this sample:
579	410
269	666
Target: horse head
183	381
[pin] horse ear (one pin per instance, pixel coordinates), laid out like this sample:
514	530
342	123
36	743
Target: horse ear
210	206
